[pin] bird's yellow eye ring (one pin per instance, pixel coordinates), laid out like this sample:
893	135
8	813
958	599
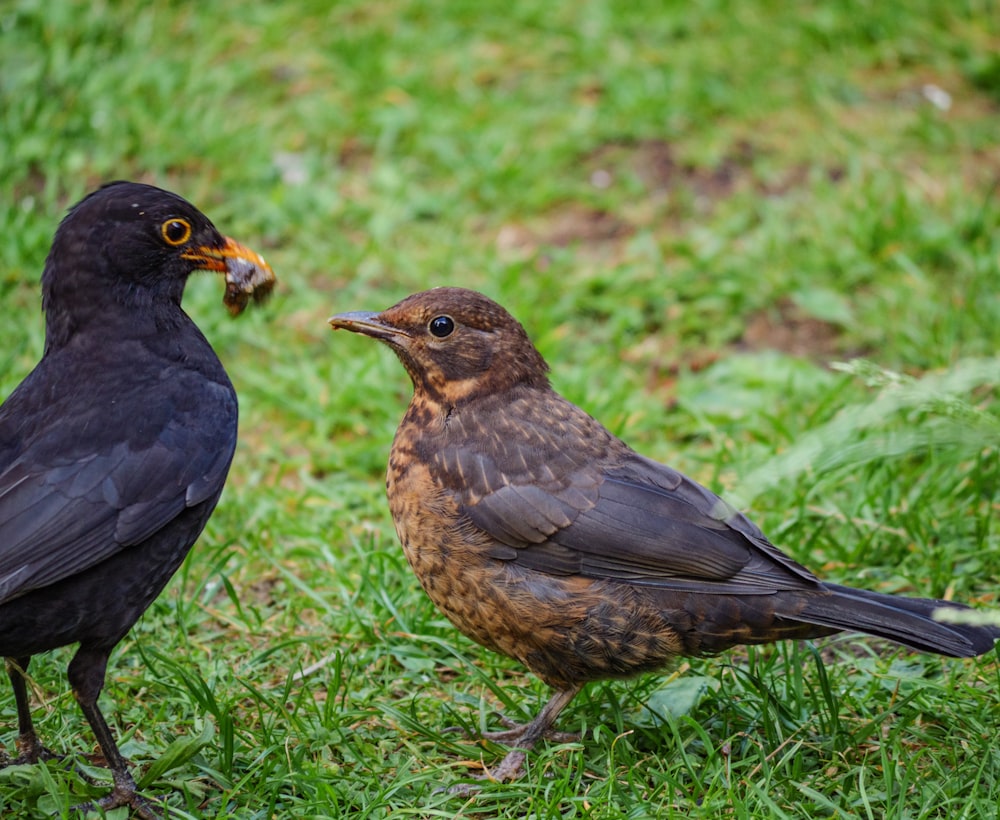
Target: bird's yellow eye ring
176	231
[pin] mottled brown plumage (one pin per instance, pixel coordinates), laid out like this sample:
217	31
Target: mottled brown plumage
542	536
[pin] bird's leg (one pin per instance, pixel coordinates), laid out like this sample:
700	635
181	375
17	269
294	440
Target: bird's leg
515	731
525	735
29	748
523	738
86	676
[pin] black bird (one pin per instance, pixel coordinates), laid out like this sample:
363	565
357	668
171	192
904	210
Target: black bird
546	538
115	448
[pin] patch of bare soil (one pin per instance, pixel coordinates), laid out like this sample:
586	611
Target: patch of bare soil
570	225
786	328
654	162
665	178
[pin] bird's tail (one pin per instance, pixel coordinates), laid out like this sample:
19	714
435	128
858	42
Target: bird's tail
907	621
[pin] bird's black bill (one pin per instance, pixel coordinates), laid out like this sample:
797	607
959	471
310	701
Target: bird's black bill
247	274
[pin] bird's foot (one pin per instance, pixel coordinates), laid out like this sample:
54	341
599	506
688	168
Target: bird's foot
29	751
515	732
523	737
123	794
510	768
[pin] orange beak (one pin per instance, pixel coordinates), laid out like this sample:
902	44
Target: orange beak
247	274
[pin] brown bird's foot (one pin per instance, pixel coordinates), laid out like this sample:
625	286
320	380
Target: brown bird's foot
516	731
523	738
513	734
510	768
526	735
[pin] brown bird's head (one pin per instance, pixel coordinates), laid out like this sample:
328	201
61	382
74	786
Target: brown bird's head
454	343
135	245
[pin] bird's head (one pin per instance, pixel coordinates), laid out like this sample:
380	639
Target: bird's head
454	343
136	245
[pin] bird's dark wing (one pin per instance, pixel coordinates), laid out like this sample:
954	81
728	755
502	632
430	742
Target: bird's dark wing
655	526
81	490
638	521
522	513
512	475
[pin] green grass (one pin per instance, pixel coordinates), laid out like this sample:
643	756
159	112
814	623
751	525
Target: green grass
695	209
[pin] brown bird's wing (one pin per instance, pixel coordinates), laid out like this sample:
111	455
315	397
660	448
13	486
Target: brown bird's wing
514	477
82	484
655	526
640	522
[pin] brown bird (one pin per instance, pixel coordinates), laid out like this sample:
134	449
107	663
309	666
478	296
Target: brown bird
115	448
542	536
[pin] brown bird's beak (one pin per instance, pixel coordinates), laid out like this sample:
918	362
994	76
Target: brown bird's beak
361	321
247	274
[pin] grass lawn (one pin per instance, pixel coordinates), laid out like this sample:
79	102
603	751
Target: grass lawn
697	210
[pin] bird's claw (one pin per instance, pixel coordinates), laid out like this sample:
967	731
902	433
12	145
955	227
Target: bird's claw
509	769
28	754
31	755
514	732
122	795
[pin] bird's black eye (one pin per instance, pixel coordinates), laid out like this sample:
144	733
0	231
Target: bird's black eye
441	326
176	231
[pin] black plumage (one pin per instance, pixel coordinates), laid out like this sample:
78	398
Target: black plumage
115	448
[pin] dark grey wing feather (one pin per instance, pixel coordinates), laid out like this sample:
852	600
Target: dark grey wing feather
522	514
559	494
33	516
64	509
170	475
514	486
647	524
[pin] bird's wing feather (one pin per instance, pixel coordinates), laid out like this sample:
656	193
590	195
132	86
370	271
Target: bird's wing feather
68	502
643	523
512	492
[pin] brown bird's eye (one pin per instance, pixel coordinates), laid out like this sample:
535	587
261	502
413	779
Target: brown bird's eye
176	231
441	326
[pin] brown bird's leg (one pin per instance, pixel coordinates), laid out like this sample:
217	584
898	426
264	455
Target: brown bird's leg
86	675
29	748
524	737
515	732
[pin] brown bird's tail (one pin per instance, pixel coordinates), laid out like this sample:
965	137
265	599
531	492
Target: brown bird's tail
908	621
